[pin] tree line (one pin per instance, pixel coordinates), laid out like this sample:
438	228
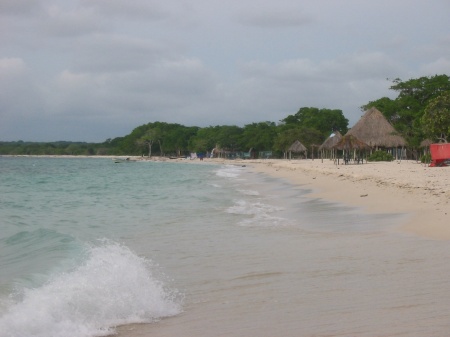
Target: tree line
421	110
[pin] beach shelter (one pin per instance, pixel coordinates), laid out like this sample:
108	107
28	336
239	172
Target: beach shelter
425	146
297	147
375	130
426	143
352	147
350	142
327	145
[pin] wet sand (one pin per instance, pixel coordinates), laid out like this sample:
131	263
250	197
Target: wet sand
409	187
305	282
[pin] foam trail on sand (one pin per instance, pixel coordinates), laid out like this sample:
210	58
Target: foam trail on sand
259	214
229	171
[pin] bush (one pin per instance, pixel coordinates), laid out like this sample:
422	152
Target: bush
426	158
380	156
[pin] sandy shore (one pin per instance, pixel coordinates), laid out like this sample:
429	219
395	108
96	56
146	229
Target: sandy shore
311	284
419	191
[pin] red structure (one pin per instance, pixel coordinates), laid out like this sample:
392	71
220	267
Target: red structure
440	154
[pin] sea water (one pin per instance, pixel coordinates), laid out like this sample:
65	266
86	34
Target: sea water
89	247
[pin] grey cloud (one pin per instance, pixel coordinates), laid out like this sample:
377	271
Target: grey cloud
19	93
116	53
19	7
137	9
345	83
58	22
112	65
274	17
436	67
355	66
22	102
167	87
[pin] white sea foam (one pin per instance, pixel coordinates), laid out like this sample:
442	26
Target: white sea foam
112	287
214	185
229	171
259	214
248	192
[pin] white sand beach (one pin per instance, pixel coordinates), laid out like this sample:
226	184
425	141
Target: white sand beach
409	187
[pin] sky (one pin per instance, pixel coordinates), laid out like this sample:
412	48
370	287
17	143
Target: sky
90	70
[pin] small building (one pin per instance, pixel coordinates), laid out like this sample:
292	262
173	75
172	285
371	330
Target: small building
297	147
375	130
327	149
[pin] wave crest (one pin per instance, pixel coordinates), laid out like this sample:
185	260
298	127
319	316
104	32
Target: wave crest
113	286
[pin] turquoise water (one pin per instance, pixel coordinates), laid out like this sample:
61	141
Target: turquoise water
89	248
68	228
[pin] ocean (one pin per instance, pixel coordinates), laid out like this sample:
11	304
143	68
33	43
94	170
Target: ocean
89	247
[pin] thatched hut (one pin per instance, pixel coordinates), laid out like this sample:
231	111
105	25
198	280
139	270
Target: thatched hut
328	144
426	143
351	147
375	130
350	142
297	147
425	147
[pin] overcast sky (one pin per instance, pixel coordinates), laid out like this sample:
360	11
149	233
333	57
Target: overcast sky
88	70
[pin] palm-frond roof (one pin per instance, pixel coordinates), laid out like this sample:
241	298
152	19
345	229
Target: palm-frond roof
331	141
297	147
375	130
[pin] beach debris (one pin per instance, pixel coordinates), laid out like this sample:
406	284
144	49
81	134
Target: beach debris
363	195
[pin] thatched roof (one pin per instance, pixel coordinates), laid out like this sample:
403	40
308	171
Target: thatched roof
331	141
350	142
297	147
426	143
374	130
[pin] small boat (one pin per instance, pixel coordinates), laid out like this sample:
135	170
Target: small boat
122	160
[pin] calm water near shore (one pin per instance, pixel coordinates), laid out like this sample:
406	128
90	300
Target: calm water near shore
87	245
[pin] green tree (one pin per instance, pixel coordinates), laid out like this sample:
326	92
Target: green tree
388	107
405	112
229	137
176	138
417	92
259	136
436	118
148	139
323	120
204	140
306	136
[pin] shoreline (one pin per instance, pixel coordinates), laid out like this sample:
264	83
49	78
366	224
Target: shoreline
420	192
407	187
380	270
